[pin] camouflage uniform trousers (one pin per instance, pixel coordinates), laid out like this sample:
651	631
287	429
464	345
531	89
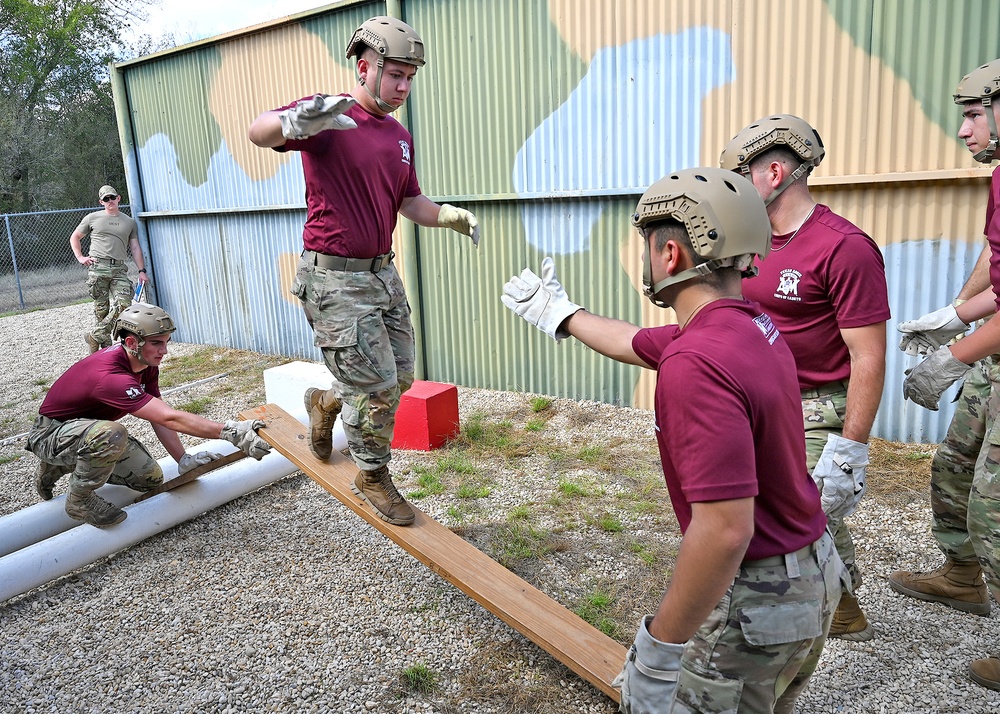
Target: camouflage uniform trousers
954	466
111	290
967	510
762	642
361	322
822	415
94	452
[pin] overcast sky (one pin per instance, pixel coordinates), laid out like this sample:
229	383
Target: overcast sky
191	20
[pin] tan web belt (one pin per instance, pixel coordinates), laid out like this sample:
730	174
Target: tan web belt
354	265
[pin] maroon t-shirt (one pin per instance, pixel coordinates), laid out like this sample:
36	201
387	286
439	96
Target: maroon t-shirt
992	231
101	386
827	277
356	180
729	422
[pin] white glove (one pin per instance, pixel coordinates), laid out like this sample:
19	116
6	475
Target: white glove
458	219
311	116
540	301
191	461
925	383
925	334
243	435
649	677
840	475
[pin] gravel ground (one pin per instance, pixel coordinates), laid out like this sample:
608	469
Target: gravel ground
284	600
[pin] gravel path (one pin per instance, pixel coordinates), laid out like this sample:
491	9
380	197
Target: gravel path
285	601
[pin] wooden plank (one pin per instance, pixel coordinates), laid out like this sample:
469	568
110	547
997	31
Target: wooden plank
189	476
585	650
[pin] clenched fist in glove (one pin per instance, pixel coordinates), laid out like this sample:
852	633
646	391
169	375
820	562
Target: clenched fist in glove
840	475
925	334
541	301
649	677
311	116
191	461
925	383
460	220
243	435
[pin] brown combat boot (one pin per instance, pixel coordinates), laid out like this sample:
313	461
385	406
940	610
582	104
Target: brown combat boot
849	622
957	584
986	672
376	488
91	508
47	476
93	344
323	409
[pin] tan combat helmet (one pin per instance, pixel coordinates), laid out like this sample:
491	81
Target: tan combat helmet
982	85
143	320
393	40
785	130
722	213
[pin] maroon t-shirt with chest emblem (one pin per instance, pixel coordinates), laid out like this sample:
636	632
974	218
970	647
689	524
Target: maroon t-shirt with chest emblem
826	277
356	180
101	386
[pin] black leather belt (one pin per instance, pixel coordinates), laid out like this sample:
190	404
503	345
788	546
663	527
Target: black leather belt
354	265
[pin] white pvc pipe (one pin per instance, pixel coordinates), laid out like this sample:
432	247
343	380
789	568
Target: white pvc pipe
41	542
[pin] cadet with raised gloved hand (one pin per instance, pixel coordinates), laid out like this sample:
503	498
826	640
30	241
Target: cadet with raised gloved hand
965	472
359	170
823	284
77	430
744	619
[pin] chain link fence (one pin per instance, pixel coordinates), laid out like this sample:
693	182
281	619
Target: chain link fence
37	266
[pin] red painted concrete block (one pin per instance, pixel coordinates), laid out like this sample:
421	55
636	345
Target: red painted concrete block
427	416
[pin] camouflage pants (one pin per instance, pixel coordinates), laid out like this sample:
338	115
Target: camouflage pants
361	322
965	476
823	414
762	642
111	290
94	452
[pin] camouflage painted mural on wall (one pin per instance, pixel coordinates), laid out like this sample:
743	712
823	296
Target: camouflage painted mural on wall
574	109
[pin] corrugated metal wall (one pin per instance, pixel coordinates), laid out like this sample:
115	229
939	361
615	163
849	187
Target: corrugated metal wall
548	118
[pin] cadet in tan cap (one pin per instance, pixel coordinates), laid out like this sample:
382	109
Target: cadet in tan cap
112	236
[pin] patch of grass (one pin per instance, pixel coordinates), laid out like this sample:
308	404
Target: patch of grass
9	459
647	556
198	405
609	523
591	454
419	678
511	543
472	490
41	381
570	488
429	482
457	463
596	609
490	438
535	425
242	368
455	513
540	404
519	513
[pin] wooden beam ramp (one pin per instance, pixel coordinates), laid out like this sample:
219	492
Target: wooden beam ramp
585	650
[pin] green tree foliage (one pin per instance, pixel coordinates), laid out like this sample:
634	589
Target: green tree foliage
58	135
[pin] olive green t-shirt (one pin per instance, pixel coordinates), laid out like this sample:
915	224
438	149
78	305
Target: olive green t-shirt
109	235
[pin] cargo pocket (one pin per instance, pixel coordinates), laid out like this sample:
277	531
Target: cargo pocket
708	693
298	288
353	361
769	625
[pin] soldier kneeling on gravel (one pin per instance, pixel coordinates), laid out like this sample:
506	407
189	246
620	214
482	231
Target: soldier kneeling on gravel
77	431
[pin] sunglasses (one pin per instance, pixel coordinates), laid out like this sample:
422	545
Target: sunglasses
108	198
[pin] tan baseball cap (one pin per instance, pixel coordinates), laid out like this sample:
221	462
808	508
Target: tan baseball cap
106	191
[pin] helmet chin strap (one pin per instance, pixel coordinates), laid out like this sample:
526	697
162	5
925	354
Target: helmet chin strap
137	352
986	155
376	95
798	173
